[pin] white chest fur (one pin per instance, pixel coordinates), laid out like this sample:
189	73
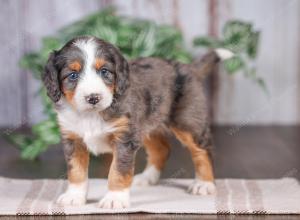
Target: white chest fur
89	126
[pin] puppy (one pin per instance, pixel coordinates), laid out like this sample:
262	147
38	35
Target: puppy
106	104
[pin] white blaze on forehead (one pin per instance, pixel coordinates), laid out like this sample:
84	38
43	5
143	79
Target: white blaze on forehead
90	81
89	48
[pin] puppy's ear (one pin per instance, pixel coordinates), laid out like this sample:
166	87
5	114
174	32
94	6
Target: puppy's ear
122	73
50	78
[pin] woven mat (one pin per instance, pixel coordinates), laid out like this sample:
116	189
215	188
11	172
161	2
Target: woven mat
235	196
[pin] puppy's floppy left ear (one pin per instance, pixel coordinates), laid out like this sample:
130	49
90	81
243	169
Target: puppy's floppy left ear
122	73
50	78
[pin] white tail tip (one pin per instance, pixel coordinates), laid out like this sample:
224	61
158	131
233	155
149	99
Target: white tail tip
224	54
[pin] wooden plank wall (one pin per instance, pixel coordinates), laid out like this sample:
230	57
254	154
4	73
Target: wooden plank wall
237	101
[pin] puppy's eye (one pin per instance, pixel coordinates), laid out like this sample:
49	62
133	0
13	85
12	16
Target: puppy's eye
73	76
106	74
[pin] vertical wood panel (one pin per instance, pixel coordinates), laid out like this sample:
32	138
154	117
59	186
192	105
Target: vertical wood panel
213	79
10	83
298	72
191	15
156	10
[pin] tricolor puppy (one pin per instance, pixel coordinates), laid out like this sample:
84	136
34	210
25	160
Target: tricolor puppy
106	104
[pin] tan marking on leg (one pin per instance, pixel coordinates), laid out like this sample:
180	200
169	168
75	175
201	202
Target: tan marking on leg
116	180
79	162
158	149
200	156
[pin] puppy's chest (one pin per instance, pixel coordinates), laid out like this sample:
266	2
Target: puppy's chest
91	127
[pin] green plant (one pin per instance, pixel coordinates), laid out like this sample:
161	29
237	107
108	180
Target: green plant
135	38
243	40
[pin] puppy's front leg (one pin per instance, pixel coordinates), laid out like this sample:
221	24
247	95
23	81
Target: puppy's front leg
120	175
77	158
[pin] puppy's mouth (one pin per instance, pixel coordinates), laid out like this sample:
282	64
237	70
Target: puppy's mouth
93	108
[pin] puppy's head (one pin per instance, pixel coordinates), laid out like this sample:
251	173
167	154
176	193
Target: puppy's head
88	72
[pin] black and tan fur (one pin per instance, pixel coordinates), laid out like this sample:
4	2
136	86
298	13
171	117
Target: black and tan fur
152	98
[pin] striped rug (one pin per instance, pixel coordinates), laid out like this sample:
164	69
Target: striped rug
235	196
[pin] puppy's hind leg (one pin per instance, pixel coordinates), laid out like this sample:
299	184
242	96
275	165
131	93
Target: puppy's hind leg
204	181
157	149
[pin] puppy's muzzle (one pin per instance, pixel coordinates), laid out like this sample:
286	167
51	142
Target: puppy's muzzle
93	98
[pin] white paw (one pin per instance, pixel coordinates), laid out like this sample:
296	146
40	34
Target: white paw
74	196
71	199
150	176
200	187
115	200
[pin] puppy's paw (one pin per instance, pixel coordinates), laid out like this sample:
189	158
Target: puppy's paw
200	187
74	196
115	200
150	176
72	199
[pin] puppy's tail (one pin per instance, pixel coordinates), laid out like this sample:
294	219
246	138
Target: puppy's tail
208	62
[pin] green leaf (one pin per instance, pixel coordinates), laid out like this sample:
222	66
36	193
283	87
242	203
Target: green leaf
234	64
234	27
33	150
51	43
263	85
19	140
237	35
251	73
47	131
253	44
32	62
206	42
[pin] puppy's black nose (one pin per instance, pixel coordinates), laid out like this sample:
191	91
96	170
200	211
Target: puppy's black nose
93	99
